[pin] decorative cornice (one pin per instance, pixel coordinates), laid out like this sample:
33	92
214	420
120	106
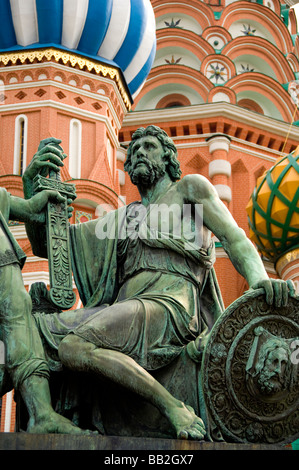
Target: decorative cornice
205	111
64	107
67	58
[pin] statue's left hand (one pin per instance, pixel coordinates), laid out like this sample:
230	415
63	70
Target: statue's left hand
277	291
49	157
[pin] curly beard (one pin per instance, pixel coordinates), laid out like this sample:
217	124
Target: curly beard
146	174
269	386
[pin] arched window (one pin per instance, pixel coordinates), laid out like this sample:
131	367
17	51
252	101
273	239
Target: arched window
75	148
172	101
20	150
250	105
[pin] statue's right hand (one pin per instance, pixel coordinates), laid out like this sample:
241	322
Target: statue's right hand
49	157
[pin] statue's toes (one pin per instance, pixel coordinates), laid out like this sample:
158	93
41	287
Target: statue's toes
194	432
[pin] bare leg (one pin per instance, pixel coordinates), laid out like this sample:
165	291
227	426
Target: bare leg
80	355
24	357
42	418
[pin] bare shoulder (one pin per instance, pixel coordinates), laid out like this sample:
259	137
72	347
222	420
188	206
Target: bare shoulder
195	187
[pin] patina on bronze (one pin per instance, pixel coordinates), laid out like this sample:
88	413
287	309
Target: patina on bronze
150	297
26	368
250	373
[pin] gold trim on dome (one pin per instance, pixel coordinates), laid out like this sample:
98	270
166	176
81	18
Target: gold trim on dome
287	258
67	58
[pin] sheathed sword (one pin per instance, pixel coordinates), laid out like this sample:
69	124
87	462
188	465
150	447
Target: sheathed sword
58	240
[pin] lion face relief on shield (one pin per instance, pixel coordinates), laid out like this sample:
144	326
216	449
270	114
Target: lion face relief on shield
270	372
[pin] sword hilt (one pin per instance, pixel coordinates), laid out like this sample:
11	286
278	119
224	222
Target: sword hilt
58	242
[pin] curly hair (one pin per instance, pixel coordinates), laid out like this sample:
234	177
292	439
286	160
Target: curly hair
170	151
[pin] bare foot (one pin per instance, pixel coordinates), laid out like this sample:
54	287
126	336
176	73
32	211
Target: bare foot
186	423
56	424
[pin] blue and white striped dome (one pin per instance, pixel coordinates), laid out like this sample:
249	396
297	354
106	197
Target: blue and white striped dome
119	32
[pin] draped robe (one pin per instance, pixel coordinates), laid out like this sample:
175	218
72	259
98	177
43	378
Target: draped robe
102	256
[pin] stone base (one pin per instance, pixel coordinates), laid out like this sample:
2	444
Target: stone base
23	441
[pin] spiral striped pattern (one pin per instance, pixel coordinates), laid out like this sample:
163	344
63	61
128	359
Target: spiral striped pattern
118	32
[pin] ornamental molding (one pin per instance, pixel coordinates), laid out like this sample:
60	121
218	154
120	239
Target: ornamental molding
67	58
250	12
99	81
71	89
72	110
286	259
225	110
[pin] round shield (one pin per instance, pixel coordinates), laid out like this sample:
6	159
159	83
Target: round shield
250	371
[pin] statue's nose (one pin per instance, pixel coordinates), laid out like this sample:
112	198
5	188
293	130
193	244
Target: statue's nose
279	365
141	152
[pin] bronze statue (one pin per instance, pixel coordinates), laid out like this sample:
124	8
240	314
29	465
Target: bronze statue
26	368
148	290
269	370
250	372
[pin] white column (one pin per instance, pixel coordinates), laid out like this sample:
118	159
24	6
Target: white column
220	167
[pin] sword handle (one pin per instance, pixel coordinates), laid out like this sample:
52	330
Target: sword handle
58	242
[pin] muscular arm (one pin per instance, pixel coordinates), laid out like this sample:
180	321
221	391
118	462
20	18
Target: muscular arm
31	210
19	210
239	248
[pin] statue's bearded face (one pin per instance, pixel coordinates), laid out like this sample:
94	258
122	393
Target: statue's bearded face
273	375
147	163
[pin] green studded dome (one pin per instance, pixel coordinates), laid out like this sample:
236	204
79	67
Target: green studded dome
273	209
